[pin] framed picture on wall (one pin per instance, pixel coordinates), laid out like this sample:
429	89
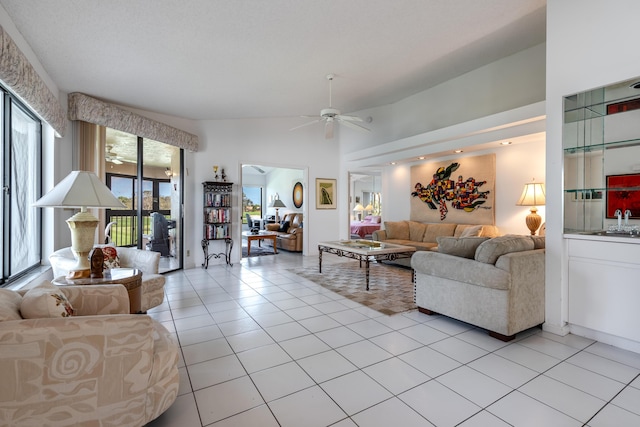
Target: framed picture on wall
325	193
623	194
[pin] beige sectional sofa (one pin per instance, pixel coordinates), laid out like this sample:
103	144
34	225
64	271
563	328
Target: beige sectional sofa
423	236
496	284
98	367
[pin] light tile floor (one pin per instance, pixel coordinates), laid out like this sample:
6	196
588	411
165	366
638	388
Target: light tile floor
261	346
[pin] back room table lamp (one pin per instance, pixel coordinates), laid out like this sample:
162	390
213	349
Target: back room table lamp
81	189
533	195
277	203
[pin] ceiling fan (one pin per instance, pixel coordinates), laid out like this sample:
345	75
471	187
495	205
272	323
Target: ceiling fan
112	157
331	115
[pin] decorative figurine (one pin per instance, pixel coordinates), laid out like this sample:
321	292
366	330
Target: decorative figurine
224	177
97	258
215	171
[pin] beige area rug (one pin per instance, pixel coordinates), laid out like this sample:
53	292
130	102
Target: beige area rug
391	290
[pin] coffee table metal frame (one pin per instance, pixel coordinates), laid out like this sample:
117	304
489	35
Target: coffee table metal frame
260	237
365	250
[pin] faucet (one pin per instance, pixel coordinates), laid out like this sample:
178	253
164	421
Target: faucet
627	214
618	213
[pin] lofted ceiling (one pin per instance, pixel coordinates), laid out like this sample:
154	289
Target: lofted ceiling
216	59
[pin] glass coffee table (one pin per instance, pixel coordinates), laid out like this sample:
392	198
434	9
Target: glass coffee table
364	250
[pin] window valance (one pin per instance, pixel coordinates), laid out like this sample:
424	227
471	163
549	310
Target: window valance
19	75
92	110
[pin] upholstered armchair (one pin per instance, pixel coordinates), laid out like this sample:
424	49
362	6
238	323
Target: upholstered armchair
101	366
147	262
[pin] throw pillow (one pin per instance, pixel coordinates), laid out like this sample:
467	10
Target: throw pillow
111	259
284	227
460	246
9	305
416	231
492	249
45	300
376	219
367	218
472	231
397	230
433	231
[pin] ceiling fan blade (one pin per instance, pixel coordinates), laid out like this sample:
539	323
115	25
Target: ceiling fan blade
306	124
328	129
350	118
355	126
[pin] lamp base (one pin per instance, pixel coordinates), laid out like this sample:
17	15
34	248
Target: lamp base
83	230
533	221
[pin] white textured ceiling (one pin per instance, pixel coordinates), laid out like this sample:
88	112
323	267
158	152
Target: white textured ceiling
214	59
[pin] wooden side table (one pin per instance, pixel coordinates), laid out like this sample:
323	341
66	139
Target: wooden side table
130	278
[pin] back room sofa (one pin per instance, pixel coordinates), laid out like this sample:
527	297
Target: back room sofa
423	236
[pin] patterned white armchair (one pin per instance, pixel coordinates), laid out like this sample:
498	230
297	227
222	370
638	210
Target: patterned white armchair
147	262
100	367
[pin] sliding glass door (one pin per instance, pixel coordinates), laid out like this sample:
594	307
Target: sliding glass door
146	176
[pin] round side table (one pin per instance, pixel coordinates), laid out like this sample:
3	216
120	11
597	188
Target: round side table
130	278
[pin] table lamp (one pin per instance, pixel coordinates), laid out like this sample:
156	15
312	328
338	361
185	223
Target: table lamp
368	208
359	209
81	189
277	203
533	195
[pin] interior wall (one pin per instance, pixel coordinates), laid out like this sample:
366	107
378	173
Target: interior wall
232	143
503	85
511	175
591	49
281	181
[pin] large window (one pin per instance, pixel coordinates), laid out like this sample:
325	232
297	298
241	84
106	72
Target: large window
21	179
251	202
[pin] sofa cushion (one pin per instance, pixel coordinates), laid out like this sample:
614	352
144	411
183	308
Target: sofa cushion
490	250
460	246
468	231
433	231
284	227
45	300
9	305
397	229
416	230
538	242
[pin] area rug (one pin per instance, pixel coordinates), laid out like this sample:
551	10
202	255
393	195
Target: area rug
391	290
257	251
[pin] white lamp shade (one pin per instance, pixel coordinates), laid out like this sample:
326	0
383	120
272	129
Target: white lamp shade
277	203
368	207
358	208
532	195
80	189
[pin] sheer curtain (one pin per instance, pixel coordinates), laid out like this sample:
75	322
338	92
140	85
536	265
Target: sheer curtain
25	219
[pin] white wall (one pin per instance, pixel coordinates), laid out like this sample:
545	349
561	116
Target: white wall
231	143
511	175
281	181
590	43
503	85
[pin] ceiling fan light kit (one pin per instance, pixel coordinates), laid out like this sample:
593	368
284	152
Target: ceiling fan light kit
330	115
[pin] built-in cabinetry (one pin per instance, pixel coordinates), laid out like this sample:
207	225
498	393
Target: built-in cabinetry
217	222
601	143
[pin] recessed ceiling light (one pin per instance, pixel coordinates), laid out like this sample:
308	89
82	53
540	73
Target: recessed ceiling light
421	158
393	163
505	143
458	151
